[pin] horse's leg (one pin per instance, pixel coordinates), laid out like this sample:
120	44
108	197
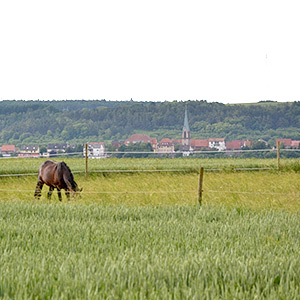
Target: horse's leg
38	189
59	194
67	192
51	189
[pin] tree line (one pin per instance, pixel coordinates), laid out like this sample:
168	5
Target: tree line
42	122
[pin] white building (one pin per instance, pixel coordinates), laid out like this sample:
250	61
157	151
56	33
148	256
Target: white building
218	144
95	150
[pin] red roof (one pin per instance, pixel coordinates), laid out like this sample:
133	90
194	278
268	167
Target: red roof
174	141
199	143
166	142
138	138
8	148
285	142
234	145
237	144
247	143
117	143
153	141
295	144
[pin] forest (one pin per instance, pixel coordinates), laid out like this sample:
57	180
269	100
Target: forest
80	121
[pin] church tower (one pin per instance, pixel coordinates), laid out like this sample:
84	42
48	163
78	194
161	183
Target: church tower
186	134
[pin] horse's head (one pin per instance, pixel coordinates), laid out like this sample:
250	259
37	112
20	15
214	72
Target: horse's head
76	192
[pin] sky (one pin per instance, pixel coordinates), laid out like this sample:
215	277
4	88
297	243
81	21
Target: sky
231	51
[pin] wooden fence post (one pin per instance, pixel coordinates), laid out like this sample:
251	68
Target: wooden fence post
200	185
86	159
278	155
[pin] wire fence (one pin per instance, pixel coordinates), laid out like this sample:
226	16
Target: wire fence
106	192
195	169
144	171
179	194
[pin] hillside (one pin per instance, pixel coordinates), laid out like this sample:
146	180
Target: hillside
80	121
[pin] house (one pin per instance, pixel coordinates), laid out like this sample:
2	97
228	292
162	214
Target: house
287	143
199	144
95	150
56	148
165	146
29	151
153	143
237	144
8	150
218	143
117	144
141	138
138	138
295	144
176	142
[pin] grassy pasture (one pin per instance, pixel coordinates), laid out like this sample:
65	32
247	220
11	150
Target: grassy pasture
142	236
255	190
19	166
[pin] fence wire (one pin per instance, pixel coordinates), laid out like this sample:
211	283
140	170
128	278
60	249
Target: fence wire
105	192
110	153
196	170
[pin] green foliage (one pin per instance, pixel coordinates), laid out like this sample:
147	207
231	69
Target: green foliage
44	122
256	145
138	147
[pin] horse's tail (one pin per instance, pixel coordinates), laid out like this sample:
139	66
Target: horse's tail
67	175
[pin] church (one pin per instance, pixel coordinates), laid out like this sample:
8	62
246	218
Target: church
185	146
189	145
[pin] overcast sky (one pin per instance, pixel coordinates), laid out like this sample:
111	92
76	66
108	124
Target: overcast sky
231	51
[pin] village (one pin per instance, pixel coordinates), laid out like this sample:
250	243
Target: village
186	145
164	146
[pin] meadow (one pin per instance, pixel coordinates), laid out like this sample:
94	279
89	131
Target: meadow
142	235
20	166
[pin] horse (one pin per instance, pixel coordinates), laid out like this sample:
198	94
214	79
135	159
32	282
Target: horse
56	175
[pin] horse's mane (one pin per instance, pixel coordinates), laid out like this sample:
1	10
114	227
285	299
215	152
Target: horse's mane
67	175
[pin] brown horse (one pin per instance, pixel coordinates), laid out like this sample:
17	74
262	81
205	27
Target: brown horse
56	175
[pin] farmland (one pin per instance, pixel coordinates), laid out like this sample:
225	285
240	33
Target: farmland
142	235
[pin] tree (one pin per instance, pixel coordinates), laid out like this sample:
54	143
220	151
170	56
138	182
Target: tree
43	149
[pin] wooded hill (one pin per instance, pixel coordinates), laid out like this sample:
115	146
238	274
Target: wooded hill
42	122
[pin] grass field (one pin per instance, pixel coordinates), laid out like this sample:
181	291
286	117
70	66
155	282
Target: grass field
63	251
20	166
143	236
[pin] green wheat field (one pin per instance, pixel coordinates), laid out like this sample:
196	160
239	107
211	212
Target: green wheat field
142	235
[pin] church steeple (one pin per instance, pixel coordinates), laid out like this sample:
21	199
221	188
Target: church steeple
186	134
186	121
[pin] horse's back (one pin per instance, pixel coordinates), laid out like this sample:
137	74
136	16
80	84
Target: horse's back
47	165
47	172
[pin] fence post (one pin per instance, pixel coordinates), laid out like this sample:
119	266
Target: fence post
278	155
86	159
200	185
